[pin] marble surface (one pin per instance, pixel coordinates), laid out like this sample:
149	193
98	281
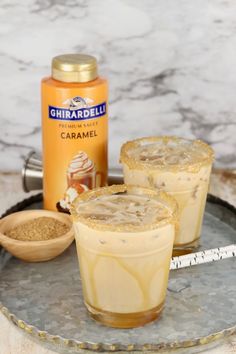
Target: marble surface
171	68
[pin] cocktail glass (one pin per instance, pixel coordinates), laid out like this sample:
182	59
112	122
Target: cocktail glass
178	166
124	236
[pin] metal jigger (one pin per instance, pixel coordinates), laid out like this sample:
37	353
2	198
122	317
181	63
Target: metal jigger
32	173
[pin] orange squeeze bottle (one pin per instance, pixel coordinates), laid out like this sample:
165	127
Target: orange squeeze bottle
74	130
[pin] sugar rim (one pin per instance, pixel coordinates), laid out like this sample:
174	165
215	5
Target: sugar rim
191	167
152	193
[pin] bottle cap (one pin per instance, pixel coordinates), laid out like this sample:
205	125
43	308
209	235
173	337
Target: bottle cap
74	68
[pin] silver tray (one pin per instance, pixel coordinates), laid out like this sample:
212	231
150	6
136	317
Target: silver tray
45	299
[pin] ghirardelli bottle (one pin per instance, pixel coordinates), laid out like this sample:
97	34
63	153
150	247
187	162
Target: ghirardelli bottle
74	129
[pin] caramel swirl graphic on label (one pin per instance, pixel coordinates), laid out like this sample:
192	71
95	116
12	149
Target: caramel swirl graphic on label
80	164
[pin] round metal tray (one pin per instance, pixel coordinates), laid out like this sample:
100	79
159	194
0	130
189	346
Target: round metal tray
45	299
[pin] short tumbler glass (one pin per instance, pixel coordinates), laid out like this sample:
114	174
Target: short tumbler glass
180	167
124	266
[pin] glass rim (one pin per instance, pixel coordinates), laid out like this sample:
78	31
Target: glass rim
119	188
135	163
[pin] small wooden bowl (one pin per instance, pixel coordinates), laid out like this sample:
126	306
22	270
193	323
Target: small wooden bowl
35	251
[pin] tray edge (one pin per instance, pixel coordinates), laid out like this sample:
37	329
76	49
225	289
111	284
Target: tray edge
79	346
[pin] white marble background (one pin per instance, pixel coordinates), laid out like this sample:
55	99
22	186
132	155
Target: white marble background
171	67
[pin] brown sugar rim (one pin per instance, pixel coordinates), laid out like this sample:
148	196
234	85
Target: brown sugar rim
134	163
152	193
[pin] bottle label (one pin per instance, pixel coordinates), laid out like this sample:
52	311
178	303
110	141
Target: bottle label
78	108
74	143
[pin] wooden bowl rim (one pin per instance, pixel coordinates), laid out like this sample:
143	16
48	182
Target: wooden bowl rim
55	240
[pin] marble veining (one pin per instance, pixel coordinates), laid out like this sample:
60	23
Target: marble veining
170	65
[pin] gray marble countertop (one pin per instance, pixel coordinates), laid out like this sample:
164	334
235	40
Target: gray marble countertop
170	66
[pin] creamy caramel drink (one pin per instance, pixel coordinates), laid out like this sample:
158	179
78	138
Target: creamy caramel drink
124	236
179	166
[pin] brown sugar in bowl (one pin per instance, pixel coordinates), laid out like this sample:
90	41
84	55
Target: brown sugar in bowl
35	251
